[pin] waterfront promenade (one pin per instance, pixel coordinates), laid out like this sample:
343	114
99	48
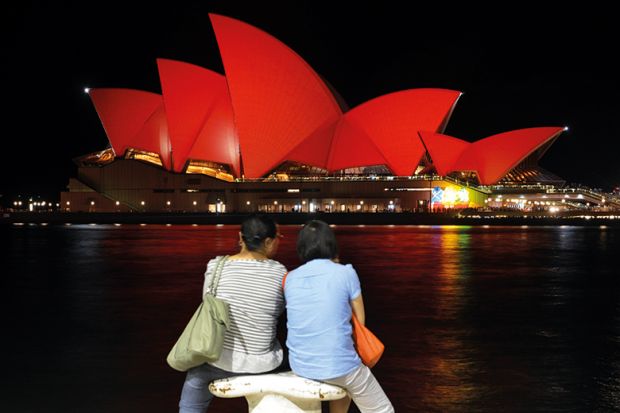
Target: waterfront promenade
471	218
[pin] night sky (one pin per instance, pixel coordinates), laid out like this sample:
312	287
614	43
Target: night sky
518	66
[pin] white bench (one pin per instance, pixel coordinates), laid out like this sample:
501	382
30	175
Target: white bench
277	393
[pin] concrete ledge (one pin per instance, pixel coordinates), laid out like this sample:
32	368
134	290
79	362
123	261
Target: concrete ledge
277	393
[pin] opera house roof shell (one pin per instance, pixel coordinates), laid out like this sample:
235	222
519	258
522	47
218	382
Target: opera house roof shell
272	107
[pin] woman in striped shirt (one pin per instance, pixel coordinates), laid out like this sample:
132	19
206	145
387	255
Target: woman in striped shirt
251	283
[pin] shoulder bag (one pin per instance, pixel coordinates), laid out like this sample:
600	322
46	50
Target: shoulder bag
368	346
203	337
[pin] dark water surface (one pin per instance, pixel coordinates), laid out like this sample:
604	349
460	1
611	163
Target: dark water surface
474	319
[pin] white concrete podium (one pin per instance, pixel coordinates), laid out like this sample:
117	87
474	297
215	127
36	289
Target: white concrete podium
277	393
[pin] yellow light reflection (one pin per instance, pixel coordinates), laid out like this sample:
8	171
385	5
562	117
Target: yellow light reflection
451	363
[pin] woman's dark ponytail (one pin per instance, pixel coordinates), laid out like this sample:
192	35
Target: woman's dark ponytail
255	229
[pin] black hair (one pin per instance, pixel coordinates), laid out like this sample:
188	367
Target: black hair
255	229
316	240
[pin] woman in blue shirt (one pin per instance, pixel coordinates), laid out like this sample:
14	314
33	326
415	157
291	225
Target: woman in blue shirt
320	296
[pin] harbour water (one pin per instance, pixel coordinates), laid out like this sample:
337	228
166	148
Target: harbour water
474	319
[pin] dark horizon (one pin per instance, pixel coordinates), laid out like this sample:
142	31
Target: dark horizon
517	68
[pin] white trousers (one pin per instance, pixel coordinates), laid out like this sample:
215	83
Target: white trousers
364	390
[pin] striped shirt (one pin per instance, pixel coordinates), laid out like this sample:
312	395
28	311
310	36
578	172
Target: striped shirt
253	290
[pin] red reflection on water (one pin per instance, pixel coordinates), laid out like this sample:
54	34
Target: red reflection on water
474	319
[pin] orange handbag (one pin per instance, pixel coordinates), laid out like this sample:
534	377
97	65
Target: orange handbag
368	346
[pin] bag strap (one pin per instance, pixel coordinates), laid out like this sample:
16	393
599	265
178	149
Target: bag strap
284	280
216	276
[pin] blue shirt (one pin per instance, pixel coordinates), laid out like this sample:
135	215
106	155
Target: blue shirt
318	308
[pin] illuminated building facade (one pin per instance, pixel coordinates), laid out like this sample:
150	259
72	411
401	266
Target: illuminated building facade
271	135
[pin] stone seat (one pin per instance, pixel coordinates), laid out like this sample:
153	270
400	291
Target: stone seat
277	393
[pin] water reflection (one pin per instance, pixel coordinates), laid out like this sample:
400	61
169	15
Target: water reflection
474	319
450	364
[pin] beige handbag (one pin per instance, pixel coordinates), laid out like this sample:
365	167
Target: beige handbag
203	337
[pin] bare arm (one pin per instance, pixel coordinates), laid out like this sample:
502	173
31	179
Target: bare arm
357	305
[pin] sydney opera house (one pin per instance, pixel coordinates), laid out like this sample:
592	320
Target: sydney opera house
271	135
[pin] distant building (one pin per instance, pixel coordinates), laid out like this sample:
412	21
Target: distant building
272	135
